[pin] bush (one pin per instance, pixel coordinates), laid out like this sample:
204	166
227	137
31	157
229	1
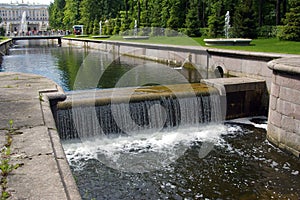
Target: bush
171	33
268	31
204	32
291	29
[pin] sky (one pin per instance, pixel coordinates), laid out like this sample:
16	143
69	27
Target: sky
28	1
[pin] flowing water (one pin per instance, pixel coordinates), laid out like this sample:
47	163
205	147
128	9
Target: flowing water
212	161
91	121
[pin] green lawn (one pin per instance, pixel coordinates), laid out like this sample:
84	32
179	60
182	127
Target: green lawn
264	45
182	40
257	45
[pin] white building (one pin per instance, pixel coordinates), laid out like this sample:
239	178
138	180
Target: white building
24	18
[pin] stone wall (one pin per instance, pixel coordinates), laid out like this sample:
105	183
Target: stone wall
234	63
284	108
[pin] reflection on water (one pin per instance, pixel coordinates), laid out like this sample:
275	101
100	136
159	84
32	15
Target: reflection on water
76	68
241	165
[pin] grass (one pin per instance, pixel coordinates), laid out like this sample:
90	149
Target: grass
271	45
5	167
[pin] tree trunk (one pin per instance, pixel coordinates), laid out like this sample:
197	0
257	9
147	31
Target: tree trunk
284	9
126	9
199	10
203	13
278	12
260	12
139	12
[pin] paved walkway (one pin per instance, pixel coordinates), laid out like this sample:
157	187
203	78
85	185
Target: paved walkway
43	171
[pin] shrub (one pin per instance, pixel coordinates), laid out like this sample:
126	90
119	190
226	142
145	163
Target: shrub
268	31
291	28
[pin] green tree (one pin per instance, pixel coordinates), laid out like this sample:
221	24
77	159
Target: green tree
56	14
177	14
145	15
96	27
117	27
71	13
244	20
89	11
192	21
291	29
165	14
155	14
216	20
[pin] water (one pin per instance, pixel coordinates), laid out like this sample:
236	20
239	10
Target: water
148	115
214	161
76	68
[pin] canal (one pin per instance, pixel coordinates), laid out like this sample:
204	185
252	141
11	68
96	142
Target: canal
213	160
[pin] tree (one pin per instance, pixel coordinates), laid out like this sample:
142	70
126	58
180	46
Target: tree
96	27
192	21
244	20
117	26
216	20
145	14
56	12
291	29
165	14
177	14
278	12
71	13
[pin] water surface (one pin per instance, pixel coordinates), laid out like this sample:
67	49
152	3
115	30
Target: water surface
76	68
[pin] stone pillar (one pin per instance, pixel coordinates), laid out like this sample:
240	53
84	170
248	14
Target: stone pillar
284	107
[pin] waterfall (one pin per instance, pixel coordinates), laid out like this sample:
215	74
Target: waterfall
167	112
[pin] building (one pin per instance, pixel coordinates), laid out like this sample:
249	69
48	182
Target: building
21	18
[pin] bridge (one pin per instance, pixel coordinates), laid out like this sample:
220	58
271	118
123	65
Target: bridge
38	37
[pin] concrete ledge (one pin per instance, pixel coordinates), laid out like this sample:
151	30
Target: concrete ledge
44	172
123	95
288	65
228	42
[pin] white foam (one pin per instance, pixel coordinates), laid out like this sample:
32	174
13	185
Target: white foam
145	151
247	121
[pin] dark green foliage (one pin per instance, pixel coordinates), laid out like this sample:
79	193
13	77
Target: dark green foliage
291	29
192	22
56	11
267	31
187	16
96	27
71	13
216	20
244	23
117	26
177	14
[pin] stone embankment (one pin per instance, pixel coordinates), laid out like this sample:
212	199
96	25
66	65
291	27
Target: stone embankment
29	141
284	110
